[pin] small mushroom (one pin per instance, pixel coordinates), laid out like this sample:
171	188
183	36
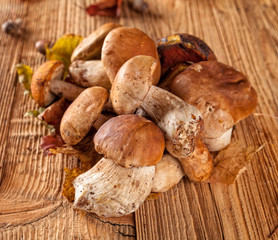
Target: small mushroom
90	47
89	74
168	173
123	43
180	122
82	114
122	180
223	95
47	82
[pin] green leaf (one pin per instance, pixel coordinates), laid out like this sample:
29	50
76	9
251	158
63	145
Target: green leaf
34	113
25	74
63	49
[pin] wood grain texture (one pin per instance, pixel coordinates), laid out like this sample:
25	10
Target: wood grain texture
243	34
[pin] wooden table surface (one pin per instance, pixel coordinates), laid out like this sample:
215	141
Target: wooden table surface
243	34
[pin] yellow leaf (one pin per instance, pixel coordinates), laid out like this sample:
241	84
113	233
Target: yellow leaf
63	49
25	74
231	161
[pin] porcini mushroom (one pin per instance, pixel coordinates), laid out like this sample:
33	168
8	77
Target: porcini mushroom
47	82
82	114
223	95
168	173
123	179
123	43
181	122
131	141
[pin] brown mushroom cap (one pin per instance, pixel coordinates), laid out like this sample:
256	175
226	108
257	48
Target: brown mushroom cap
132	83
90	47
124	43
82	113
41	79
130	141
223	95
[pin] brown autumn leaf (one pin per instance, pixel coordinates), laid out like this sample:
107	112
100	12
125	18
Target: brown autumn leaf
231	161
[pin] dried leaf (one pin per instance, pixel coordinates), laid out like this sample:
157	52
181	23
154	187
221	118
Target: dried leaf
50	142
153	196
110	8
231	161
84	151
63	49
25	74
68	188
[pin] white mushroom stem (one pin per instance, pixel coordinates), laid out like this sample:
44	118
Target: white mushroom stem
180	122
65	89
110	190
89	74
168	173
216	144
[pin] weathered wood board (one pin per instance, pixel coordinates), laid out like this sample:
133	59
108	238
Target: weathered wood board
243	34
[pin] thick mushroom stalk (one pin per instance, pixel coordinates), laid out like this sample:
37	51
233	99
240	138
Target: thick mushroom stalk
168	173
110	190
82	114
89	74
47	82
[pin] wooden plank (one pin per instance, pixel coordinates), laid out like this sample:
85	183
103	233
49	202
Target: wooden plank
243	34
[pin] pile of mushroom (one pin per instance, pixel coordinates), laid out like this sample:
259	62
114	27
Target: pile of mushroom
175	104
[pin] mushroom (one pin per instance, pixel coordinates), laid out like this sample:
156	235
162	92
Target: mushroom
131	141
181	48
223	95
168	173
122	180
123	43
90	47
181	122
89	74
80	116
47	82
